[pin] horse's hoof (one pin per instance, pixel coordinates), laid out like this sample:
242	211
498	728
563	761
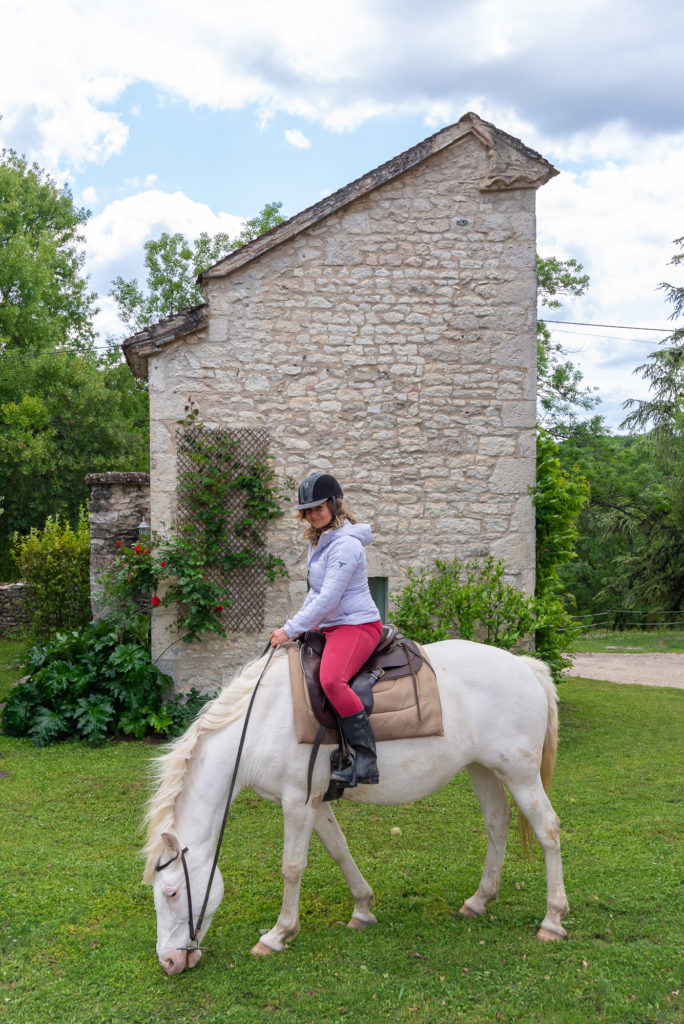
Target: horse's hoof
357	923
261	949
546	935
466	911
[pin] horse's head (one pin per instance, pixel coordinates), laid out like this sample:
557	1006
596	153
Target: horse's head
180	886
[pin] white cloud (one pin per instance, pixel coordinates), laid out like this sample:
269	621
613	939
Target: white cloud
572	71
619	220
297	138
89	195
107	323
115	237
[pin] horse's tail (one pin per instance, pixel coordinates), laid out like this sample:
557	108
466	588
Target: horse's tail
543	676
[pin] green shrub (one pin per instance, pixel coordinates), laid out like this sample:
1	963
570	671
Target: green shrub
93	684
55	565
472	601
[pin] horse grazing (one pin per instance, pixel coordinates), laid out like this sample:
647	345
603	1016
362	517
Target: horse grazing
500	724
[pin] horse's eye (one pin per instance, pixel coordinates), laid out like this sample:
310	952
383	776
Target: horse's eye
169	892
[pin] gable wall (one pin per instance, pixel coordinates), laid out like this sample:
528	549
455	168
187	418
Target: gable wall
394	345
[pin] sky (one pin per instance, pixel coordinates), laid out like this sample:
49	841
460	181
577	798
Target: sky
163	116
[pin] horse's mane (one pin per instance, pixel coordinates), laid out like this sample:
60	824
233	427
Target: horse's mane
170	769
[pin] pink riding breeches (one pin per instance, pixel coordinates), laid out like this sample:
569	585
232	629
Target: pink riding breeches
346	649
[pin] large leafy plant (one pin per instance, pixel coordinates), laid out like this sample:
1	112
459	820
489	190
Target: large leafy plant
93	684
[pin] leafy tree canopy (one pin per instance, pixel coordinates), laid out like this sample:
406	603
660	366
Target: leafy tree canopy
173	264
663	411
631	548
62	416
559	382
44	299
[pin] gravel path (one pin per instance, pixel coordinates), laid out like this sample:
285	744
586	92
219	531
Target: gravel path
647	669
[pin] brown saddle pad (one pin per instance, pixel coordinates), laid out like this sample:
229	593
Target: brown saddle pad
395	711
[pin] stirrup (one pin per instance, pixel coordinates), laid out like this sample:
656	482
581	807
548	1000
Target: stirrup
338	761
354	780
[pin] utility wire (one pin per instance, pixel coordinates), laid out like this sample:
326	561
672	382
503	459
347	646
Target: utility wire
605	337
615	327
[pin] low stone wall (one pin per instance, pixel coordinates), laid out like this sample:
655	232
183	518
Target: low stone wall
12	609
119	502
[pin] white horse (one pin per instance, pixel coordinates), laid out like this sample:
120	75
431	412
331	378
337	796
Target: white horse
500	723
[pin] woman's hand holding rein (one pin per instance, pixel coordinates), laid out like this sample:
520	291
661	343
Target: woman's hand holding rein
278	637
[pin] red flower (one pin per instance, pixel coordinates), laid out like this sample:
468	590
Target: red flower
219	607
119	543
163	564
137	549
156	601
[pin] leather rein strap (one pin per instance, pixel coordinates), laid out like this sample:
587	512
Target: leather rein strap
194	929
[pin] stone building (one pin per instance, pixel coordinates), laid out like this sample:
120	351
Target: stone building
386	334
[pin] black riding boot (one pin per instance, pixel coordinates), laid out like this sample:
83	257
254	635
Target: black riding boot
364	767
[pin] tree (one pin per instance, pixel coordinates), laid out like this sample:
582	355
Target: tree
173	264
559	381
621	478
663	410
655	567
44	299
54	409
631	550
62	416
559	497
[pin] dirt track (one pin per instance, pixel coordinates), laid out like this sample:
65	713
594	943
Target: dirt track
647	669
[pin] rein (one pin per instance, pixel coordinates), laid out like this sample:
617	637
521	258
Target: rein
194	929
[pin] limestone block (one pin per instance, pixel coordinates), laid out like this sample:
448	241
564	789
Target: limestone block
517	414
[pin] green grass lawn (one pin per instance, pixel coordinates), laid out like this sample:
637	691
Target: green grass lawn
77	928
11	655
630	641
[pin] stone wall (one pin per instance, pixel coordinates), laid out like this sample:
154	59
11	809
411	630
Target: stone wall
391	343
119	502
12	611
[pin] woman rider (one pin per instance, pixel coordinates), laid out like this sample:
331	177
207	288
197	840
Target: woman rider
340	604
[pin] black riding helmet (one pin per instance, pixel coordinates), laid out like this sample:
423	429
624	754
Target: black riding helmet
317	488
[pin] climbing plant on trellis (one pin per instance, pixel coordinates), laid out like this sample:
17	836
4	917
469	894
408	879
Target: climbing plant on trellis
213	565
227	493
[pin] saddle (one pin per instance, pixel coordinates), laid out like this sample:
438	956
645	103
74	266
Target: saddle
394	657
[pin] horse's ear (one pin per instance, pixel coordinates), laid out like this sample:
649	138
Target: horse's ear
171	842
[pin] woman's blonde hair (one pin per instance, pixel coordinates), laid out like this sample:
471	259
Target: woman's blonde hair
313	535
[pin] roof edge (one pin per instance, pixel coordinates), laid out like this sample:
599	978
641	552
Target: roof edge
511	165
153	338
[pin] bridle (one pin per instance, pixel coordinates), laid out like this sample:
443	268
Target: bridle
194	929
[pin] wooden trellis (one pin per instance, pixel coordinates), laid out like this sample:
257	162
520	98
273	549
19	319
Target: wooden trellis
246	584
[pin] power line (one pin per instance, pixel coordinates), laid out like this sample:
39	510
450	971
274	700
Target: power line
604	337
615	327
